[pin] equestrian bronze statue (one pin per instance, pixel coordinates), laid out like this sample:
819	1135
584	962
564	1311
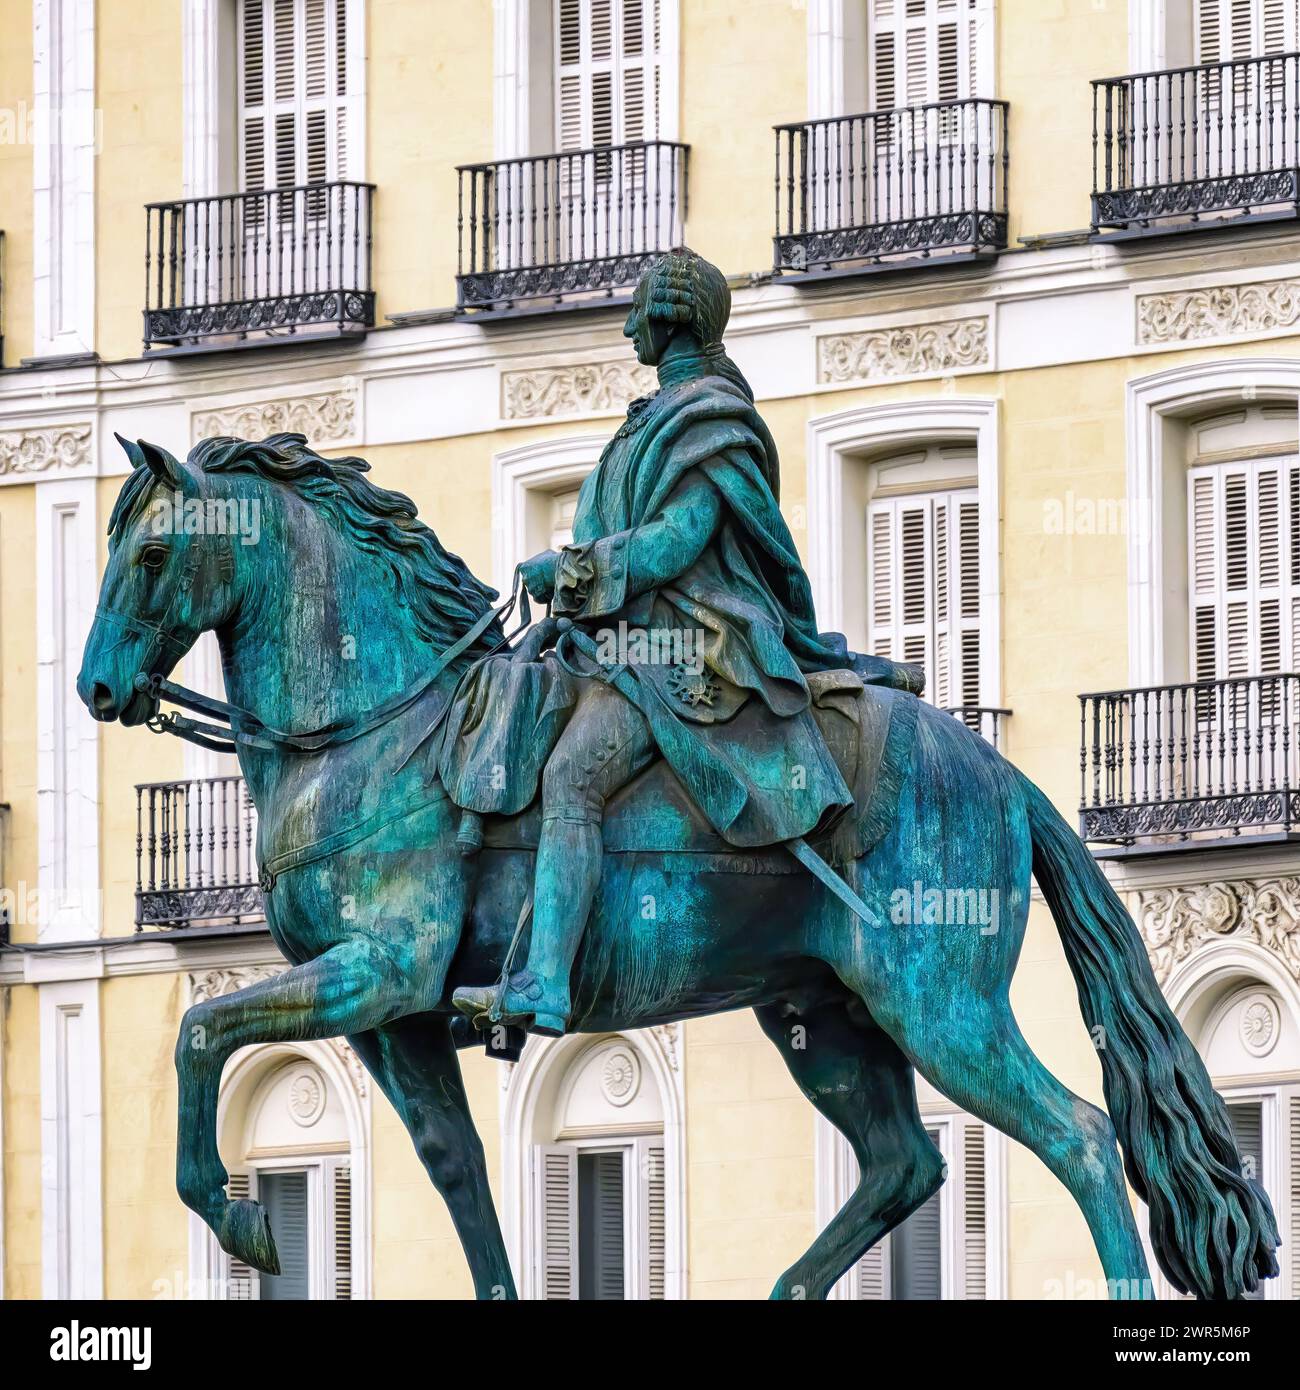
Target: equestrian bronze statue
671	796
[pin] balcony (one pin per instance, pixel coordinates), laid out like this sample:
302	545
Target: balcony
1175	766
1196	147
249	269
194	855
566	230
891	189
981	719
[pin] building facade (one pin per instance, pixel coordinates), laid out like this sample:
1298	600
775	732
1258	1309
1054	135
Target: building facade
1017	284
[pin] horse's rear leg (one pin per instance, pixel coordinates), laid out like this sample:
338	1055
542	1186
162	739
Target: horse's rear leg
860	1081
414	1061
979	1059
349	989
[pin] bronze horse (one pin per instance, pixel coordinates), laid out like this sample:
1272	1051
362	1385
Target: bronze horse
343	633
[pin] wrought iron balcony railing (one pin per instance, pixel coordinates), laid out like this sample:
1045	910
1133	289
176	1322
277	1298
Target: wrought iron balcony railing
1194	146
983	719
194	854
1180	763
284	263
890	187
567	228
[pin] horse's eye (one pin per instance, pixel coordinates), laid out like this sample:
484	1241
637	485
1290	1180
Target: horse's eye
153	557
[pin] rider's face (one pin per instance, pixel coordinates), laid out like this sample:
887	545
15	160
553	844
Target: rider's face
649	336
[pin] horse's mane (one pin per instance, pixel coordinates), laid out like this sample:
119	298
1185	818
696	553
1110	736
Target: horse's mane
436	587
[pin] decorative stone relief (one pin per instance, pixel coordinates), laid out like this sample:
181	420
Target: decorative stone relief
620	1076
307	1097
1175	921
1260	1025
212	984
668	1035
44	450
588	389
325	418
1222	312
923	349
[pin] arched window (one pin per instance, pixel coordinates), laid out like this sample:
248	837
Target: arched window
594	1158
1243	1012
293	1130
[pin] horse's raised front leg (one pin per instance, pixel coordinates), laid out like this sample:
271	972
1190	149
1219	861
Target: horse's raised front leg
356	986
414	1061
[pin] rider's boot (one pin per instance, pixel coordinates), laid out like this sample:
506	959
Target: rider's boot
567	875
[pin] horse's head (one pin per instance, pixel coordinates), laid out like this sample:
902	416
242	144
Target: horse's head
170	577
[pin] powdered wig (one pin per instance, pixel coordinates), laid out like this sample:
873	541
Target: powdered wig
683	288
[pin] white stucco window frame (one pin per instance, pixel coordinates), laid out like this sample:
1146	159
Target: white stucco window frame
72	1143
837	526
517	46
659	1051
63	176
67	738
1151	401
550	465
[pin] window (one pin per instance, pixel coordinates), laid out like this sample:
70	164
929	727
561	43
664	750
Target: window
923	51
924	579
598	1201
607	72
1244	567
296	78
941	1250
1228	30
294	1156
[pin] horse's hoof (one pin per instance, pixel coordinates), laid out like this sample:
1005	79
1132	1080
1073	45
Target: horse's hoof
246	1235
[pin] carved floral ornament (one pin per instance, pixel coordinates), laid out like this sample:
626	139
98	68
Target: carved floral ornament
48	449
326	417
923	349
1175	921
590	388
1222	311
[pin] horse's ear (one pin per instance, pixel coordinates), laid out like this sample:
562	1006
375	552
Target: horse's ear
158	461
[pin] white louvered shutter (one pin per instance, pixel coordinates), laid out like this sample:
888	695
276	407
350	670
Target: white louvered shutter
871	1273
1229	30
1244	561
341	1230
923	562
972	1209
922	51
607	79
555	1210
241	1279
648	1157
602	1226
1247	1121
295	103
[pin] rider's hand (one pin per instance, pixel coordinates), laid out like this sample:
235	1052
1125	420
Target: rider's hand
539	575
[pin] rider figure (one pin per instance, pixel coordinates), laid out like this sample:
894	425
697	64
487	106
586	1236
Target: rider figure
683	568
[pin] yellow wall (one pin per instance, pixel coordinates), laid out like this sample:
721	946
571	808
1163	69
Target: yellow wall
138	90
22	1142
18	692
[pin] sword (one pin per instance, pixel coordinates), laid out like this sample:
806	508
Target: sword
626	683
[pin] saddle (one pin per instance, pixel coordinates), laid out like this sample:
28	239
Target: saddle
869	730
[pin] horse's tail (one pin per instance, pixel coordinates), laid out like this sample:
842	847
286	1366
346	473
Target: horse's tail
1212	1229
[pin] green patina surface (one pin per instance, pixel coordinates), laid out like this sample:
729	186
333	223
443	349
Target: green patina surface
361	750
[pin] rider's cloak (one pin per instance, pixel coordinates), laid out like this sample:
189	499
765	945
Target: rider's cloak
739	733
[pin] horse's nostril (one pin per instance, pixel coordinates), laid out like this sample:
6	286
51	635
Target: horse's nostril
101	697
